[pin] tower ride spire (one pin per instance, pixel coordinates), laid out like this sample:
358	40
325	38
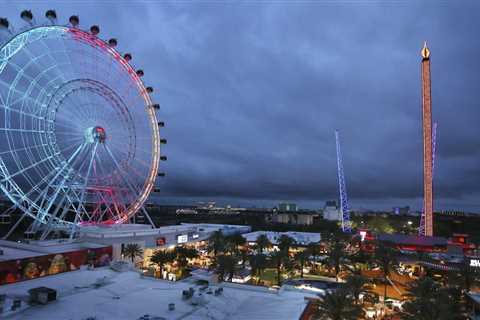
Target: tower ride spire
427	142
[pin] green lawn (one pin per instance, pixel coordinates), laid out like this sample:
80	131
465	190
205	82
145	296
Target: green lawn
270	276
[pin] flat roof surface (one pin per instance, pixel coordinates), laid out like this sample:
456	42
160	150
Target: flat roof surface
19	250
299	237
127	296
475	296
15	253
413	240
127	230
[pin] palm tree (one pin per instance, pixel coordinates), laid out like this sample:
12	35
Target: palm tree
301	257
385	257
278	258
225	266
429	301
234	242
467	274
182	254
216	243
338	306
263	243
162	257
258	263
336	256
132	250
356	285
313	248
285	243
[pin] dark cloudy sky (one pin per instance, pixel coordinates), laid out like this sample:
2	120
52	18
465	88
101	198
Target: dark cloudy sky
252	92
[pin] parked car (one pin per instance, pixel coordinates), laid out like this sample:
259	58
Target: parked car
393	304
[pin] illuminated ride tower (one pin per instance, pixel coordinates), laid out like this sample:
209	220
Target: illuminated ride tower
346	227
421	229
427	142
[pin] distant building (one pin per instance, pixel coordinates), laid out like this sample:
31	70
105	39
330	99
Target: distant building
331	211
299	217
287	207
401	211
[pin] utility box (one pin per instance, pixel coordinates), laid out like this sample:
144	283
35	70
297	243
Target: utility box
42	295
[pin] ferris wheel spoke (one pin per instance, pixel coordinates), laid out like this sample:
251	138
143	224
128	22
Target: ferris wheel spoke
45	190
28	168
87	177
34	83
24	148
61	186
121	172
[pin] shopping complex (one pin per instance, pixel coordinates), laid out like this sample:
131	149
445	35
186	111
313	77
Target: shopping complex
95	260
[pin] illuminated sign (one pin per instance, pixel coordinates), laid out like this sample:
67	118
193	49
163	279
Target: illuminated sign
475	263
195	236
182	238
363	234
160	241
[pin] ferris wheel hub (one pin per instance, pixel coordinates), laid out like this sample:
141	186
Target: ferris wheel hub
95	134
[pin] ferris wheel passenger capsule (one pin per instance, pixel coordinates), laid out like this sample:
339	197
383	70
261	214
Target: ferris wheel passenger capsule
27	16
4	24
74	21
163	141
161	124
127	56
52	16
156	106
163	158
161	174
140	73
112	42
149	89
95	30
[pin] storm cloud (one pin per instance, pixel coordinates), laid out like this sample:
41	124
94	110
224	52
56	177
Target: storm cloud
252	92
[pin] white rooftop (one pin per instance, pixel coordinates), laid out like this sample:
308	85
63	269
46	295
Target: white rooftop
302	238
129	230
127	296
19	250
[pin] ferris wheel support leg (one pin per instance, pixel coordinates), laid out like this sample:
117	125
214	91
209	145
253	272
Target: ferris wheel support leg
82	196
145	212
48	227
15	226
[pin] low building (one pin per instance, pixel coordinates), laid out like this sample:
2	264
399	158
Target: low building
127	295
415	243
301	238
305	218
287	207
150	239
331	211
401	211
27	261
473	302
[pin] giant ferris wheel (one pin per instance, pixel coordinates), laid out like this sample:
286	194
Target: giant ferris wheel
79	136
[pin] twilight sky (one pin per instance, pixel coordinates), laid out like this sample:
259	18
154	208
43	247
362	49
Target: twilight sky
252	92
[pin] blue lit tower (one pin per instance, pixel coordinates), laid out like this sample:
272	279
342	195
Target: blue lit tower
342	189
421	229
